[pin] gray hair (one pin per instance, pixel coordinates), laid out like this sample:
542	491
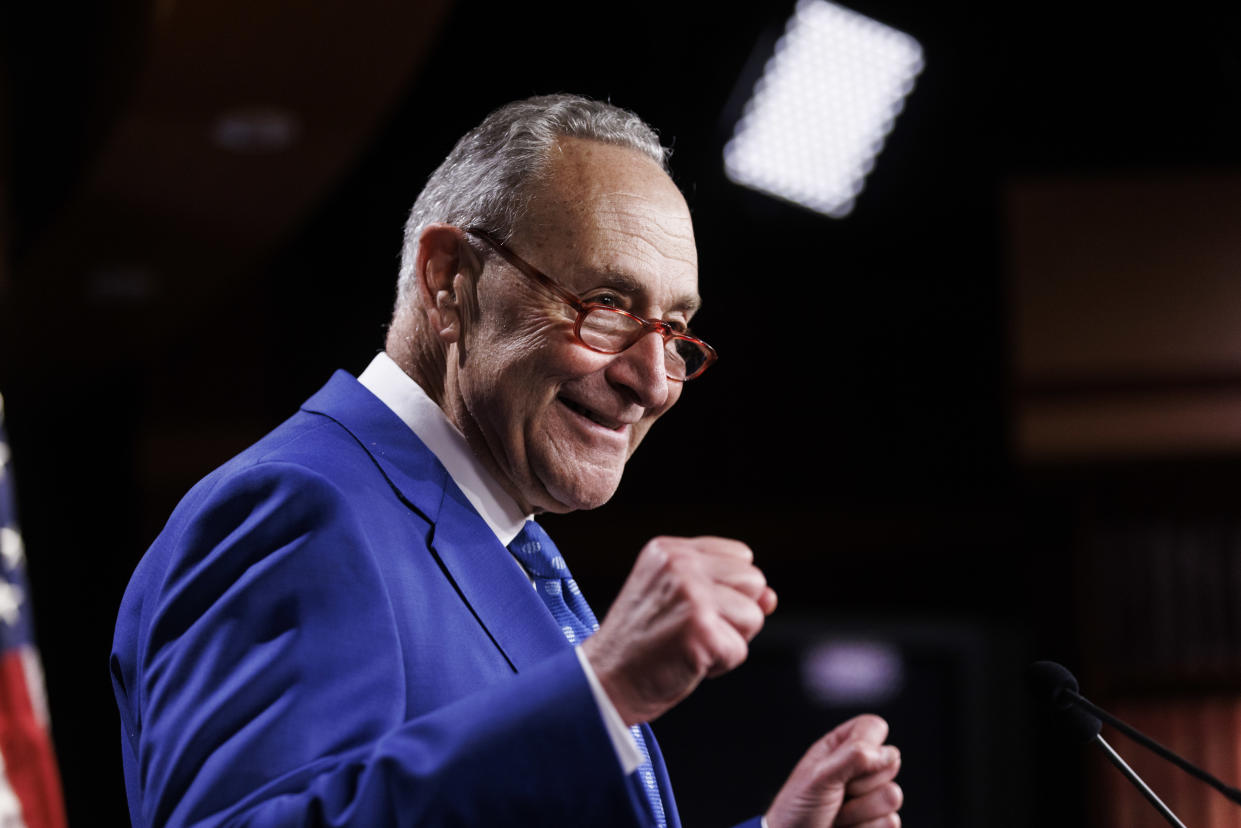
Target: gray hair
487	179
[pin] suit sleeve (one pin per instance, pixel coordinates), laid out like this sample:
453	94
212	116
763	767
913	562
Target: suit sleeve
266	687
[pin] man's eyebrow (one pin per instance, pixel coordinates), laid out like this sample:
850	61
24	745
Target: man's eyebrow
624	283
689	303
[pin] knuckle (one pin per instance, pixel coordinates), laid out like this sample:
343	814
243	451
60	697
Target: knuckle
701	620
677	577
657	549
743	551
679	562
856	753
755	582
760	579
753	622
873	727
730	546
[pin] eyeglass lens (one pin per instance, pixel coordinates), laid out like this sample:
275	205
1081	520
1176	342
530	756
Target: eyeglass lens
608	330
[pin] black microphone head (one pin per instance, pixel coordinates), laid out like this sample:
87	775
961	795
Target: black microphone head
1053	685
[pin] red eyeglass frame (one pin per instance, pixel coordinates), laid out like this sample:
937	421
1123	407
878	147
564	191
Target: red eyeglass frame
665	331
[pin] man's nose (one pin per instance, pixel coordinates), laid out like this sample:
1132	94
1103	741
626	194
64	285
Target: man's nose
641	369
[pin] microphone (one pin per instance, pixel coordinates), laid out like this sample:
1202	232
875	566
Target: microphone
1051	684
1054	685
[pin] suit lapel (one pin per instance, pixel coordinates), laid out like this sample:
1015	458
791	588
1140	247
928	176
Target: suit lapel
409	466
494	584
484	573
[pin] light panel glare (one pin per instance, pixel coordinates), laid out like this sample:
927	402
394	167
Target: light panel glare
822	108
848	673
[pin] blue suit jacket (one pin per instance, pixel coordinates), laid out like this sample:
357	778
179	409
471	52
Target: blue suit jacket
327	633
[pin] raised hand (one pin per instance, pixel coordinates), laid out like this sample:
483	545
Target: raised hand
688	610
845	780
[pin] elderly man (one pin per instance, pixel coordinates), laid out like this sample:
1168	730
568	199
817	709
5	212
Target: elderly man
357	620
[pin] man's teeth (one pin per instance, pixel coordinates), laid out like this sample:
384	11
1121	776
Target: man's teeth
588	414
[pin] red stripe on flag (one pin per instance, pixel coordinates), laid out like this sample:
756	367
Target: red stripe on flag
28	758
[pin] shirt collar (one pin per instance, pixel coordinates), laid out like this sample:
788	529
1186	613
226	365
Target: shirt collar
407	399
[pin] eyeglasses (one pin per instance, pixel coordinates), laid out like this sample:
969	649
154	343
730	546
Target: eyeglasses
610	330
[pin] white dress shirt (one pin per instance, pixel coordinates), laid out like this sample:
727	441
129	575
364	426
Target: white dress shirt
395	389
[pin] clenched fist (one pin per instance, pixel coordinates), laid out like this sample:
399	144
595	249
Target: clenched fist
845	779
688	611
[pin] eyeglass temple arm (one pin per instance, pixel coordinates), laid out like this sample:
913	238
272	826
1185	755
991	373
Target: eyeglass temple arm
538	276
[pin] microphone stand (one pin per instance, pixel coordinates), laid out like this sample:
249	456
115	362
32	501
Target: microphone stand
1154	747
1132	776
1057	686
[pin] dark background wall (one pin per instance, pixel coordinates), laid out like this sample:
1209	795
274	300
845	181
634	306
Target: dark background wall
859	431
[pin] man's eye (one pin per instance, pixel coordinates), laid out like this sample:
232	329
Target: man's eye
609	299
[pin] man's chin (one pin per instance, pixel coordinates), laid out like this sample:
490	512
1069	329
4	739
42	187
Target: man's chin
573	496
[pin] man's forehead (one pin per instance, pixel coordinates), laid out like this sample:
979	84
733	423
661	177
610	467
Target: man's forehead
632	254
612	213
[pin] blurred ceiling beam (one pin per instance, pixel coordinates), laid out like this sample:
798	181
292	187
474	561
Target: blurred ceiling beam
238	118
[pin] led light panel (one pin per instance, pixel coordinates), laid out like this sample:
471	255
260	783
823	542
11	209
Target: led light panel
822	108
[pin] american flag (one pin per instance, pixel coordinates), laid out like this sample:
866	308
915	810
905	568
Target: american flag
30	794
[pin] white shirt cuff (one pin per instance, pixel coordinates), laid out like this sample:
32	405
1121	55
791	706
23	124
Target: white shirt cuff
622	740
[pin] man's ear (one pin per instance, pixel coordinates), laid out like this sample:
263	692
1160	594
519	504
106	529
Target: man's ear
445	265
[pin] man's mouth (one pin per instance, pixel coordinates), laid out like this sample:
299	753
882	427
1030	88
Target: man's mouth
593	416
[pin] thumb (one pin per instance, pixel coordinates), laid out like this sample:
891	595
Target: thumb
815	791
865	728
853	759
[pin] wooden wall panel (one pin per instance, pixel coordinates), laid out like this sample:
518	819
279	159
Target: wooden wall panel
1126	314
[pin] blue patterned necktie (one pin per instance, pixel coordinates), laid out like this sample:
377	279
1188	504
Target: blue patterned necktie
560	593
